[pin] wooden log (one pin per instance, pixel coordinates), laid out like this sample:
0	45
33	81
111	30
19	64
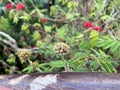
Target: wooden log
61	81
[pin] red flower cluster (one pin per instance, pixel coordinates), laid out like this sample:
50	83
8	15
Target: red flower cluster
9	6
44	20
20	6
89	24
97	28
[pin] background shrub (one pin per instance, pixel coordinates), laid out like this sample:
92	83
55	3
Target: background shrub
59	35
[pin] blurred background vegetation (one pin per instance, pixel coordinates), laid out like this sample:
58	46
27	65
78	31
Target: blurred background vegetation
59	36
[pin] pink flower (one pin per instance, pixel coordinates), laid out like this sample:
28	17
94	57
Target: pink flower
44	20
97	28
88	24
20	6
9	6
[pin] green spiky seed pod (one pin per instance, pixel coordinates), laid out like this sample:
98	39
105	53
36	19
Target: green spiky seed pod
61	48
23	54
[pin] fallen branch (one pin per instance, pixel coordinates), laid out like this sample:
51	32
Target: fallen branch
61	81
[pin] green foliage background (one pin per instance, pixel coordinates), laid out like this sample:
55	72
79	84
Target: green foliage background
91	51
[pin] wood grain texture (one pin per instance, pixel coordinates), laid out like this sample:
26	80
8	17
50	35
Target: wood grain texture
61	81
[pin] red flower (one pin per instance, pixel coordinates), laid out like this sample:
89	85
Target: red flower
97	28
44	20
9	6
88	24
20	6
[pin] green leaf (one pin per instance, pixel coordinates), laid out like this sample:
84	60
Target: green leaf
115	46
70	4
84	46
104	17
104	66
105	61
4	23
15	19
111	67
93	37
28	69
12	13
24	26
62	32
26	17
108	44
58	64
38	43
107	66
11	59
48	28
93	34
81	69
36	35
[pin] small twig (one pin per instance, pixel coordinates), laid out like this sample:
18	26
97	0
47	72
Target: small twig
34	50
7	36
4	63
12	42
8	41
47	18
108	22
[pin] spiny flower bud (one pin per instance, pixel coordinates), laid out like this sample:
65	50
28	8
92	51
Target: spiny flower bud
23	54
35	64
62	48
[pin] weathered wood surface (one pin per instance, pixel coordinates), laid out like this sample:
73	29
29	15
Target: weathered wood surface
61	81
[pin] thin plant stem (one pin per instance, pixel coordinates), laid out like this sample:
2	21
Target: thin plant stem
4	63
64	63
